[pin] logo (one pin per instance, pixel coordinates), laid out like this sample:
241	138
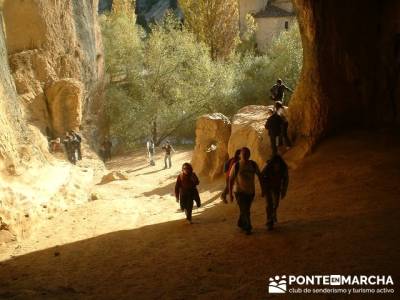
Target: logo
331	284
277	285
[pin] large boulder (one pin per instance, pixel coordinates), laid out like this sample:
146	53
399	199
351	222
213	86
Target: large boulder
248	131
64	98
211	151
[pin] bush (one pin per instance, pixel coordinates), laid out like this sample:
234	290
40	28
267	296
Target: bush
257	74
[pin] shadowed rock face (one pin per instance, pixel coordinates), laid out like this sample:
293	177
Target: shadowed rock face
351	66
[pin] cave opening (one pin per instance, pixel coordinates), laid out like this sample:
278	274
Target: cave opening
350	75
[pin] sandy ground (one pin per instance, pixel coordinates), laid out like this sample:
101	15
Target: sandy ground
341	216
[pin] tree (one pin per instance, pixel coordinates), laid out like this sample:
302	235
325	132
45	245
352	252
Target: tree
257	74
160	83
214	22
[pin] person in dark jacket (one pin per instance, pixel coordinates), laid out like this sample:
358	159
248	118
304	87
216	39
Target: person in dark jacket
275	180
106	149
227	170
186	190
278	91
283	137
168	149
274	126
78	141
68	142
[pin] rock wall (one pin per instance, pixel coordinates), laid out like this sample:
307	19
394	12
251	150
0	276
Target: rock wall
351	68
51	75
51	44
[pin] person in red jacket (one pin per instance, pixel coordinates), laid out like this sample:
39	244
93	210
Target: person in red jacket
186	190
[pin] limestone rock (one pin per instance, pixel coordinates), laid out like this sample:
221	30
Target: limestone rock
6	237
64	98
211	150
113	176
248	131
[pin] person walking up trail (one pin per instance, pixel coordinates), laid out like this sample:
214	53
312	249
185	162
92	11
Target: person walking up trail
242	183
167	158
227	170
275	180
186	190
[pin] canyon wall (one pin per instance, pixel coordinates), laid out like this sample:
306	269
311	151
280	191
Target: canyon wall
351	68
51	81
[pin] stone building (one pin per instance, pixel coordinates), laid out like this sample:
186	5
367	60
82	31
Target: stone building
271	17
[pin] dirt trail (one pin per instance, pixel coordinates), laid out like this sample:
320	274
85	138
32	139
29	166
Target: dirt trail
339	217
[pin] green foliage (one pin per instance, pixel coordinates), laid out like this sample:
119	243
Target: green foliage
248	37
257	74
167	77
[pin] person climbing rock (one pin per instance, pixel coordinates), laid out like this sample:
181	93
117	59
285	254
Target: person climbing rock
167	158
275	180
274	127
242	183
278	91
186	190
227	169
283	137
150	151
106	148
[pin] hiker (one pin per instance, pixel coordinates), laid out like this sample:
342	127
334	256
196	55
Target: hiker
275	180
74	146
242	183
283	137
69	145
186	190
168	149
106	148
78	141
150	151
55	145
227	169
274	127
278	91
